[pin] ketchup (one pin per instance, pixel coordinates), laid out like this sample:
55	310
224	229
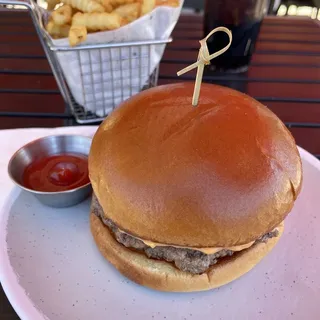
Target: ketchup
57	173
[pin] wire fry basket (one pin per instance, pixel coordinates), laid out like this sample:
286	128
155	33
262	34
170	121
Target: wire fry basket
105	74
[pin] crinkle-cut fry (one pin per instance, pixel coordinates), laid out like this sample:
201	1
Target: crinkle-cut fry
147	6
85	5
77	34
129	12
51	4
57	31
74	11
116	3
169	3
62	15
106	4
98	21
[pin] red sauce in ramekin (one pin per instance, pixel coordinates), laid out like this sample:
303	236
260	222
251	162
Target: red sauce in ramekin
57	173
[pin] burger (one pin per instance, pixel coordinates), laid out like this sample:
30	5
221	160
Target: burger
191	198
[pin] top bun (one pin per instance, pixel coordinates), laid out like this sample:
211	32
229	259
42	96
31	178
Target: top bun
217	175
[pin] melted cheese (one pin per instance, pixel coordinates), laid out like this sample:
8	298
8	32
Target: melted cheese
204	250
212	250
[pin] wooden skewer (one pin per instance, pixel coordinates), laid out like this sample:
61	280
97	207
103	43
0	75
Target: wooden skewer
204	59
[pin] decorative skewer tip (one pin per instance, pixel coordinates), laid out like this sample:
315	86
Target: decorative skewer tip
204	58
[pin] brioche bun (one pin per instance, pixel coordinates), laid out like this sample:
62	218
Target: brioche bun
220	174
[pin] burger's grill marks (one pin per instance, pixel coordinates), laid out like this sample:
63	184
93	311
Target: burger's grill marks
189	260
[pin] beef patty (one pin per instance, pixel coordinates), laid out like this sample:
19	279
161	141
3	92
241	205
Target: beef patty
189	260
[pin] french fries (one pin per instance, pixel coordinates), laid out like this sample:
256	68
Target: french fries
147	6
57	31
116	3
52	4
129	12
62	15
75	18
85	5
169	3
98	21
106	4
77	34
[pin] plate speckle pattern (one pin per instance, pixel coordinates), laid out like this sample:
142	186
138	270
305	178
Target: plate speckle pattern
56	263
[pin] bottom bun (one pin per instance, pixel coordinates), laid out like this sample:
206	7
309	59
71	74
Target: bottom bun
162	275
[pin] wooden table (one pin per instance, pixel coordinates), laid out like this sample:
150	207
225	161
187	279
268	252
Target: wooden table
284	74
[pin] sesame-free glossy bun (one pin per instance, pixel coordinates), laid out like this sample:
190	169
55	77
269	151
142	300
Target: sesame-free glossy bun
220	174
163	276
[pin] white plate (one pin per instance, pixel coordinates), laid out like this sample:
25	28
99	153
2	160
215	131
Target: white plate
51	268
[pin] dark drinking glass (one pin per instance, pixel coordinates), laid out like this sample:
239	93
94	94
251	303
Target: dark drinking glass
243	18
